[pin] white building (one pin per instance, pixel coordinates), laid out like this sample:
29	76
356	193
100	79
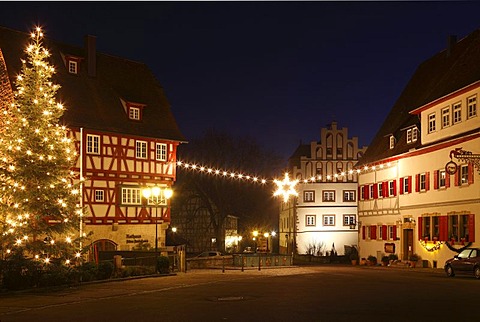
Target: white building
409	203
325	213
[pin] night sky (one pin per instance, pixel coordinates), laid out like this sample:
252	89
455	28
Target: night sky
276	71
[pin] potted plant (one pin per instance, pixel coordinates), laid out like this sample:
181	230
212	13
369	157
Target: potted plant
354	258
414	258
392	258
371	260
385	260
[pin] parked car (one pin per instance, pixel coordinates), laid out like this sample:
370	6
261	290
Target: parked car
210	253
467	262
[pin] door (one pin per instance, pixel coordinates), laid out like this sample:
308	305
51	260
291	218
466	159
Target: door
407	243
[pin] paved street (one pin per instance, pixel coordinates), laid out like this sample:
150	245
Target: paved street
321	293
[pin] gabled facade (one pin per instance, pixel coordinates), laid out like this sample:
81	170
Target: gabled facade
325	212
411	202
126	137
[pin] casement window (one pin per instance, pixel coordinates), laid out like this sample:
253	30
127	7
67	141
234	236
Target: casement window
134	113
72	67
412	135
309	196
391	232
472	106
141	149
99	195
380	189
131	196
93	144
452	227
159	200
370	191
464	175
457	113
329	220
380	234
440	179
422	182
446	117
348	195
361	193
328	195
392	142
431	123
348	220
310	220
406	185
161	152
392	188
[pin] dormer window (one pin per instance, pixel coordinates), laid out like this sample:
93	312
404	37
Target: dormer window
133	110
134	113
72	63
412	135
392	142
72	67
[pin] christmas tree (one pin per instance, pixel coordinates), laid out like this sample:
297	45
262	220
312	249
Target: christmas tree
39	202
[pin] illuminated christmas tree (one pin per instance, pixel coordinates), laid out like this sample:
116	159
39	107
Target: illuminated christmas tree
39	202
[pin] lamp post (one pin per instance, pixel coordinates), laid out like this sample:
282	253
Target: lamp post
154	195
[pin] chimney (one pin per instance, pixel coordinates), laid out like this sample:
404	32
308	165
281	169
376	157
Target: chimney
451	41
91	54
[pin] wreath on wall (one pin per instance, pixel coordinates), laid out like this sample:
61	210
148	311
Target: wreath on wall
457	250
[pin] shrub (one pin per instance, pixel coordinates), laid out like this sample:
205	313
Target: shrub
393	257
163	265
88	272
105	270
19	272
372	258
385	259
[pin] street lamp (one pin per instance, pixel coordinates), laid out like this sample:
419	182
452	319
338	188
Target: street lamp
154	195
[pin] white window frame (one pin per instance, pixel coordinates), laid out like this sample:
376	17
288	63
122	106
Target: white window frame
457	113
391	188
141	149
446	117
349	220
370	191
134	113
380	190
309	196
310	220
99	195
442	179
412	135
406	185
72	67
431	123
471	106
463	174
392	142
329	220
161	152
131	196
328	195
379	232
390	231
422	185
93	144
349	195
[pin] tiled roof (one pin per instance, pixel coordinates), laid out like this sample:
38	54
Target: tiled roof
95	102
442	74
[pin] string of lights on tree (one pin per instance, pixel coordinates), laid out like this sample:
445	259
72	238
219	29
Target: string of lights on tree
39	201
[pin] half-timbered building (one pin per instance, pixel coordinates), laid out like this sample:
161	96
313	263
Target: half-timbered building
410	202
126	138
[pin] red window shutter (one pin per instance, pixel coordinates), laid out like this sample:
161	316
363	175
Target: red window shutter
385	189
395	232
365	192
373	232
470	173
447	180
417	183
443	229
363	232
435	179
471	228
375	191
394	187
457	177
427	181
384	232
420	228
402	181
410	184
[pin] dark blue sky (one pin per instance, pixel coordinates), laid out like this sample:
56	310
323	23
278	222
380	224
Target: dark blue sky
277	71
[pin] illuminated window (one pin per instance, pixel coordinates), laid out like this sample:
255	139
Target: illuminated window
446	117
310	220
309	196
457	113
141	149
93	144
131	196
161	152
472	106
329	220
431	123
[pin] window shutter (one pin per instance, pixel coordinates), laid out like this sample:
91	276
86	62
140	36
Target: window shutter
447	180
375	191
420	227
427	180
443	229
402	180
470	173
410	184
363	232
373	232
435	179
471	228
394	187
395	232
384	232
417	183
385	189
457	177
365	192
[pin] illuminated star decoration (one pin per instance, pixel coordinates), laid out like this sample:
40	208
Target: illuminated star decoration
285	188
